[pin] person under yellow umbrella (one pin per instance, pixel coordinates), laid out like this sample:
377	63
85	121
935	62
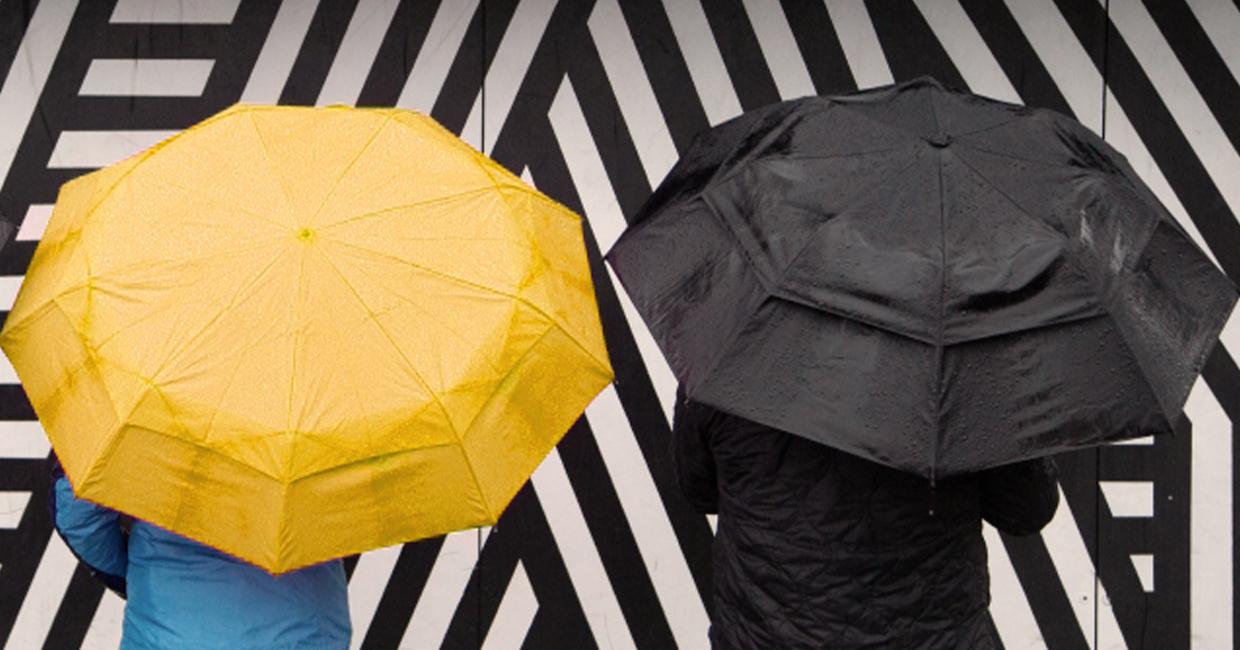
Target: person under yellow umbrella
294	334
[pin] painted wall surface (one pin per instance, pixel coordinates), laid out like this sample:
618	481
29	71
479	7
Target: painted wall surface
591	101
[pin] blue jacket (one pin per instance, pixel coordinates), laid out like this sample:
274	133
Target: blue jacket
187	596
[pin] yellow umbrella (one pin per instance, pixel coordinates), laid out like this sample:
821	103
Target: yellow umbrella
294	334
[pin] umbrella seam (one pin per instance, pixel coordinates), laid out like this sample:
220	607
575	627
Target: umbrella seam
485	289
369	142
271	163
938	348
375	213
416	374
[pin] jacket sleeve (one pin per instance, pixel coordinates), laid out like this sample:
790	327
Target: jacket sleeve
691	455
1020	498
92	532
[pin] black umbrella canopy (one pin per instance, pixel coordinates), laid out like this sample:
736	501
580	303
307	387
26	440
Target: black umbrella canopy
933	280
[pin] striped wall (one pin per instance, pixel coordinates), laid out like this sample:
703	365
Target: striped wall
591	101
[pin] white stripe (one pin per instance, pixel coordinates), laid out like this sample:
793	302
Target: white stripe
8	375
47	590
1078	80
706	67
515	613
435	57
366	585
23	439
1129	498
90	149
35	222
1009	607
1180	95
660	550
12	507
1066	547
442	592
507	71
147	77
860	43
606	222
275	61
202	12
1143	563
9	286
779	47
357	51
581	558
968	52
107	625
633	91
1142	441
1221	22
1210	521
26	77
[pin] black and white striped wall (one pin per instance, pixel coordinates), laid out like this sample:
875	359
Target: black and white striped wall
591	101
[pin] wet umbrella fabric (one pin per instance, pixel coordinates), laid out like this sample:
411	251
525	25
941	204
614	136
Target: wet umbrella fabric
932	280
296	333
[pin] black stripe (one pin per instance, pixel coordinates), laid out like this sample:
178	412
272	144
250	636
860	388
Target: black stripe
1040	582
910	45
819	46
401	595
1221	374
22	549
1078	476
318	51
1202	61
1158	129
401	44
14	18
1015	55
76	611
665	68
742	55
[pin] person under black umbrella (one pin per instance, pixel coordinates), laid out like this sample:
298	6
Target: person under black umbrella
884	308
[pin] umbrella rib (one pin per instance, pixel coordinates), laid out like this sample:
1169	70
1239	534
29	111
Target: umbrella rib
271	163
214	199
406	206
1021	209
336	184
409	364
481	287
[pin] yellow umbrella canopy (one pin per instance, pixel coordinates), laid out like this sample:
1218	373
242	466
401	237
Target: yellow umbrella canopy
294	334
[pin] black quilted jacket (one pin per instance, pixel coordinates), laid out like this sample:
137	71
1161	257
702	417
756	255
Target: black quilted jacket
820	549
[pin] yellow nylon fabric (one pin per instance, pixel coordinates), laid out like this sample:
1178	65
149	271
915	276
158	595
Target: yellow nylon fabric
298	333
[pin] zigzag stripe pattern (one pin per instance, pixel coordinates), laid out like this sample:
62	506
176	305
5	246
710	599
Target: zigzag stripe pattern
591	101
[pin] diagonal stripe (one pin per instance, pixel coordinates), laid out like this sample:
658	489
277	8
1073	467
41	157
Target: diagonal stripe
606	222
1129	498
1221	22
706	67
968	52
275	61
1078	79
1210	521
204	12
1198	124
430	69
147	77
515	614
636	97
779	47
47	589
24	84
507	71
106	627
1009	607
860	42
442	592
35	222
581	557
366	587
648	520
357	51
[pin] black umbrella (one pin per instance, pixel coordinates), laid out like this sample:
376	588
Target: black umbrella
933	280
